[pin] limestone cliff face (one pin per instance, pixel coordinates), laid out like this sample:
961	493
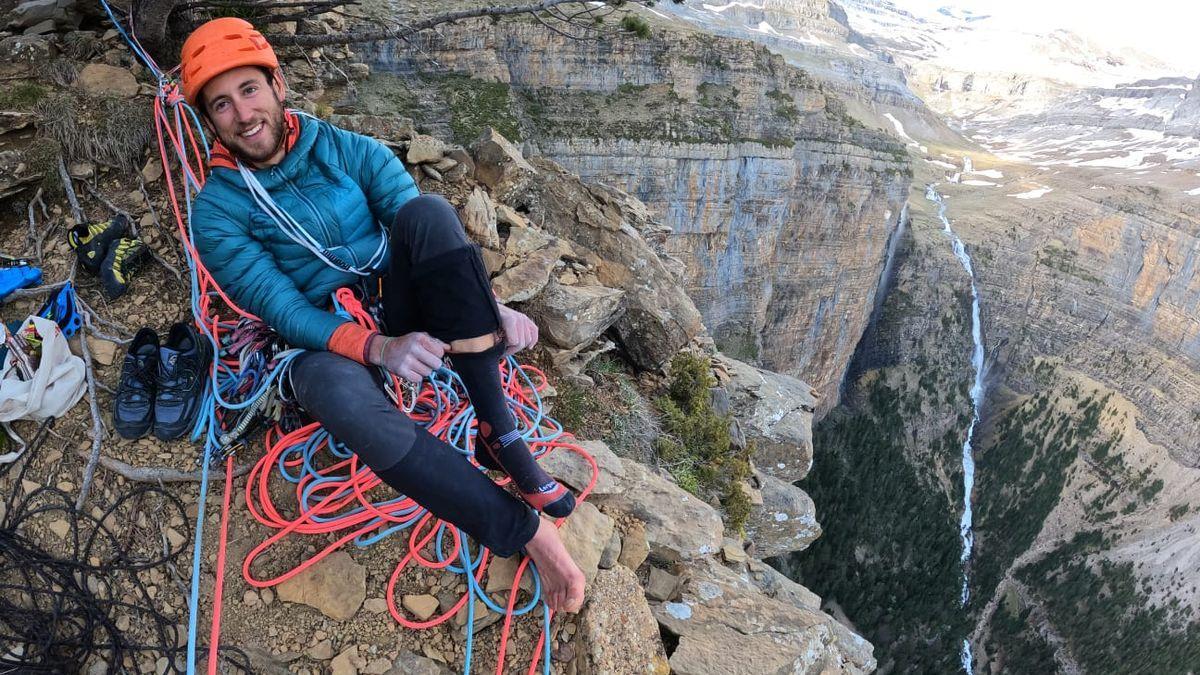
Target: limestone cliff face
779	204
1105	280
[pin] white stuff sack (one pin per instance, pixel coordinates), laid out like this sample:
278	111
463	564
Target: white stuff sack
56	385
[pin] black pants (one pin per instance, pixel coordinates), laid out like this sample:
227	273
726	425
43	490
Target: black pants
436	282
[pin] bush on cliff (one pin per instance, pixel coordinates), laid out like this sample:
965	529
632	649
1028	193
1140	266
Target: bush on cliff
695	445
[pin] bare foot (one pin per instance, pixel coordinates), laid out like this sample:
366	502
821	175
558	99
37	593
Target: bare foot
562	580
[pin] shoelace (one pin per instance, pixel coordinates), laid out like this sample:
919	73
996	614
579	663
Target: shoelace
184	382
136	380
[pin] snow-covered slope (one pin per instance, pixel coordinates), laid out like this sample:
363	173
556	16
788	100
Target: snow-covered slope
1041	95
814	35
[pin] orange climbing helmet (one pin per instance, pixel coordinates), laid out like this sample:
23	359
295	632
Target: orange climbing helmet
220	45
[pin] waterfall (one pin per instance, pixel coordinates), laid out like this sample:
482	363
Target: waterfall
966	532
885	277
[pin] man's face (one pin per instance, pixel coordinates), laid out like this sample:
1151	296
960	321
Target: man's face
246	111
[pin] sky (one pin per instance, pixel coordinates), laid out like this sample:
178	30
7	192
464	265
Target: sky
1166	29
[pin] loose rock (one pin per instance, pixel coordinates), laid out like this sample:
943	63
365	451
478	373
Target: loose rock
585	534
98	79
421	606
336	586
617	633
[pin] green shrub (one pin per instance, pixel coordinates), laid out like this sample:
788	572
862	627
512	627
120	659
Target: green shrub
636	25
695	446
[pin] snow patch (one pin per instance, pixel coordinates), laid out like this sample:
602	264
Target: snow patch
1036	193
979	182
989	173
899	128
721	8
1193	192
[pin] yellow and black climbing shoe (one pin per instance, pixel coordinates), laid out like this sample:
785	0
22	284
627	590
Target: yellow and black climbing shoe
123	256
91	241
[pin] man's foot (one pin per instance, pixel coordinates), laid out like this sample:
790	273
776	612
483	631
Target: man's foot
512	456
562	580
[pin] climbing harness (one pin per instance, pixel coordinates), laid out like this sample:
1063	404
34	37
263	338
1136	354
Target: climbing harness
249	390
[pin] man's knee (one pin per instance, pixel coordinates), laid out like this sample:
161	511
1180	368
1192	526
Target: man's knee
322	376
431	224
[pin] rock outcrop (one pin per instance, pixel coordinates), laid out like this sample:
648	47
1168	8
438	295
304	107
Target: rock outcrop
725	625
778	204
678	525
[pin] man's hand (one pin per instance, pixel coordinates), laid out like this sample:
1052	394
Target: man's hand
412	356
520	332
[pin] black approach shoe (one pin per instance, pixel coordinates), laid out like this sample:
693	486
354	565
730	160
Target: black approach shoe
183	364
133	405
92	241
123	256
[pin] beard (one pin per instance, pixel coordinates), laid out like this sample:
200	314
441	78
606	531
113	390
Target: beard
263	145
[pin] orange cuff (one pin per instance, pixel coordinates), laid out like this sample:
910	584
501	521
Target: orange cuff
350	340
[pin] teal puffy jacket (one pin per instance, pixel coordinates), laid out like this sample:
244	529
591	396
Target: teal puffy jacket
338	185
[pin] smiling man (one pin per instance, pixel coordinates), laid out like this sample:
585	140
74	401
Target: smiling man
295	208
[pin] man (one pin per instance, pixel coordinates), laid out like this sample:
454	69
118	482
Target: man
295	208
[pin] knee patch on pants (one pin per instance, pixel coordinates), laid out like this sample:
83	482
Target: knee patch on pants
455	295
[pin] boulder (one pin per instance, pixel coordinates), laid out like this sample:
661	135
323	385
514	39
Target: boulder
634	547
479	218
574	316
725	625
574	470
775	412
431	172
785	521
732	552
526	279
23	50
507	215
465	165
423	149
522	240
35	13
41	28
336	586
661	585
585	534
500	165
678	525
774	584
659	317
98	79
611	552
617	634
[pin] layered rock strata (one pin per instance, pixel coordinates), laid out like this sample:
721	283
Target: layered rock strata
778	204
